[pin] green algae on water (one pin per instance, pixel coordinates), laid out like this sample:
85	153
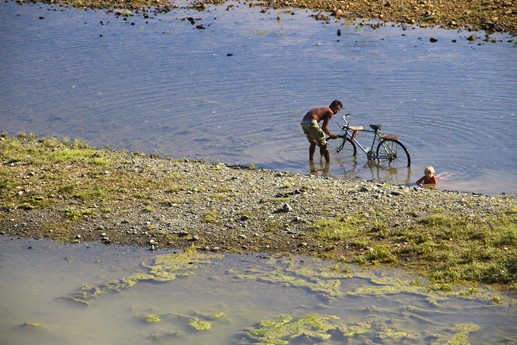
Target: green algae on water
150	318
34	325
199	321
290	272
162	268
317	328
330	329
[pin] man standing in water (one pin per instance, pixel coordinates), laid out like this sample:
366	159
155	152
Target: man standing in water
316	134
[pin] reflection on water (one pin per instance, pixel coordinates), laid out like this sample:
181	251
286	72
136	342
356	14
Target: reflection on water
236	91
215	299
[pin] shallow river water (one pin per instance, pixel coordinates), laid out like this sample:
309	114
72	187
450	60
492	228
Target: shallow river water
234	89
46	298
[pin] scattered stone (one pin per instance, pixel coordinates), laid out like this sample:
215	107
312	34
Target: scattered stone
286	208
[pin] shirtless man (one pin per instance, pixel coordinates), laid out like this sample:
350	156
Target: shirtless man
316	134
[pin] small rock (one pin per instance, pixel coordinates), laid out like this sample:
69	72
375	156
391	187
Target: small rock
472	38
433	40
286	208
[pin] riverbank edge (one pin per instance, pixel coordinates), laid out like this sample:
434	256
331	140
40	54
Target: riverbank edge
70	192
491	16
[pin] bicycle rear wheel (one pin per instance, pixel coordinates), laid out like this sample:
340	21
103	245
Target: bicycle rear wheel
393	153
347	147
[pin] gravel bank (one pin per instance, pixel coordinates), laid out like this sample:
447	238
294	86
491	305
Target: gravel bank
491	15
214	206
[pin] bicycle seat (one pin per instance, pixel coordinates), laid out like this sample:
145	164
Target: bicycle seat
376	127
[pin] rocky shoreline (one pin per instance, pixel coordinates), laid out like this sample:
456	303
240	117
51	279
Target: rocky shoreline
134	199
491	16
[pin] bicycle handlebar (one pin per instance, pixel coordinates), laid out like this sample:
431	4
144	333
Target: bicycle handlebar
344	119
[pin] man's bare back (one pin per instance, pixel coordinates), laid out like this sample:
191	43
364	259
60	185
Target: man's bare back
318	114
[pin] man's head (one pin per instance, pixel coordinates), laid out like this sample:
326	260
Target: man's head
336	106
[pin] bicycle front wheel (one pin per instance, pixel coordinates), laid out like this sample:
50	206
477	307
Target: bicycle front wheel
393	153
348	148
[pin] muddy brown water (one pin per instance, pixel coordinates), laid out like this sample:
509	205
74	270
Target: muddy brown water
233	86
232	294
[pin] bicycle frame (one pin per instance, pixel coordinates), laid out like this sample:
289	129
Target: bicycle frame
346	128
389	148
365	149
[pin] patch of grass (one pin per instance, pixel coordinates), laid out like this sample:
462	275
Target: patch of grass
74	214
223	189
89	194
26	206
345	228
49	150
274	225
211	216
381	254
447	247
7	185
457	248
221	197
172	188
148	209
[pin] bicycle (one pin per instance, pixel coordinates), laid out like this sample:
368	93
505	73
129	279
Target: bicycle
389	149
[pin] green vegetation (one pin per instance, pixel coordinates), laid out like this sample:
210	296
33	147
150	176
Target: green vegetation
162	268
34	325
150	318
451	247
50	172
211	216
315	328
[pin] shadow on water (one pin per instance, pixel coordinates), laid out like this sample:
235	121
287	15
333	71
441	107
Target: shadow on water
236	91
91	293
